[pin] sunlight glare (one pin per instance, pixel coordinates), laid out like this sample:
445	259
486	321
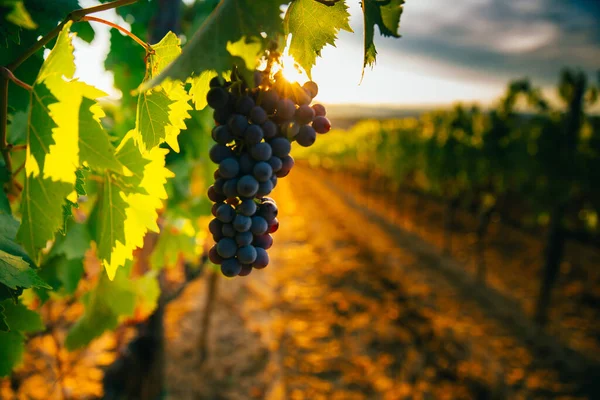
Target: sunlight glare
292	71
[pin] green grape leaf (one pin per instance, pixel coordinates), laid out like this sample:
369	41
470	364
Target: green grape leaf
19	14
147	292
41	124
152	118
161	112
313	26
67	214
177	241
127	208
12	346
15	272
20	318
94	143
200	87
103	306
42	211
80	182
386	15
228	23
74	245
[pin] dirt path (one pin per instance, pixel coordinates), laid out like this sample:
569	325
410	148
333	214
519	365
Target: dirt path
353	308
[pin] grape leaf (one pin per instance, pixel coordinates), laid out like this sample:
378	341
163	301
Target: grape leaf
42	211
12	346
229	22
127	208
177	241
200	87
312	26
15	272
152	118
19	14
103	306
386	15
109	301
94	144
161	112
20	318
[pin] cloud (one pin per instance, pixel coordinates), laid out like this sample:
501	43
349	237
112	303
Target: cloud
508	39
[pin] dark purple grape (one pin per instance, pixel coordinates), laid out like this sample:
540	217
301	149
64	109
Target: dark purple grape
237	125
269	101
229	168
304	115
301	96
242	223
273	181
262	241
217	97
227	247
246	164
286	109
214	207
214	196
215	226
228	230
273	226
230	188
221	116
321	125
306	137
219	152
244	105
280	147
261	151
265	188
246	270
247	208
268	210
291	130
259	225
262	258
219	182
215	82
247	186
269	129
253	134
234	201
258	78
246	254
217	174
262	171
287	165
231	268
244	238
275	163
222	135
264	199
319	110
225	213
258	115
312	88
214	256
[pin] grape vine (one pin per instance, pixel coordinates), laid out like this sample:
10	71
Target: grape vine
86	182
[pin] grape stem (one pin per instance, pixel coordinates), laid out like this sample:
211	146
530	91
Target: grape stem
120	28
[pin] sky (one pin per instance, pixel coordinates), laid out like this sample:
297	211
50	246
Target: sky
460	50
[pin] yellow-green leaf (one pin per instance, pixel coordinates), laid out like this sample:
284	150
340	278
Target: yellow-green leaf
313	26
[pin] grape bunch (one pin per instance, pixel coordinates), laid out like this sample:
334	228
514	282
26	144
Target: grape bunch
254	128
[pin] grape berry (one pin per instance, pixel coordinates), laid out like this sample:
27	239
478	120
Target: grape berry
253	134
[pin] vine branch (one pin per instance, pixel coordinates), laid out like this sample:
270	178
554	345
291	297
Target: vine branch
74	16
